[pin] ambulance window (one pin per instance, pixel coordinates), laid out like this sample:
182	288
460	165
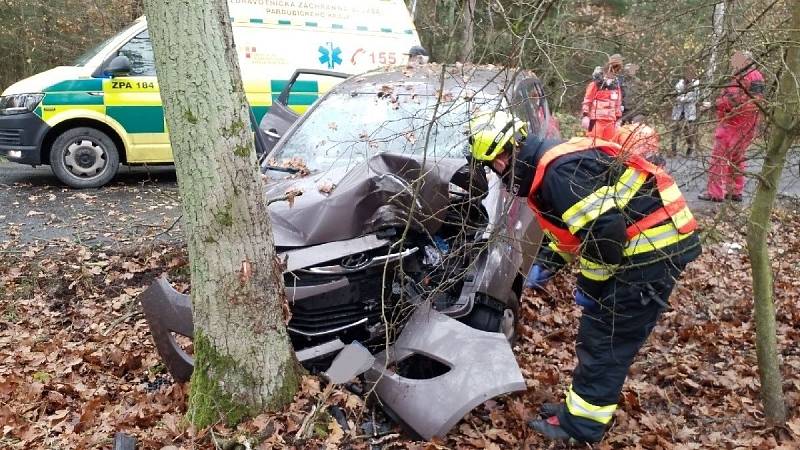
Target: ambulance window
140	51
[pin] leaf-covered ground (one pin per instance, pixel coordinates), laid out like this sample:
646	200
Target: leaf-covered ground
77	363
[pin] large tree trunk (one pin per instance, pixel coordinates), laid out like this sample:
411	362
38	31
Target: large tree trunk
784	129
243	360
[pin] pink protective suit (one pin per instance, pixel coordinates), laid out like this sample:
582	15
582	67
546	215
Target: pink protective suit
738	117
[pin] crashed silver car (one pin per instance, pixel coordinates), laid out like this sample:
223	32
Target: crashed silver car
394	241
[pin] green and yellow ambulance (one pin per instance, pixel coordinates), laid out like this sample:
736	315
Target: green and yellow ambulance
84	122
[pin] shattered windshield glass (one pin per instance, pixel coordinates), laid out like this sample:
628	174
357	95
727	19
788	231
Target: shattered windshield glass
348	128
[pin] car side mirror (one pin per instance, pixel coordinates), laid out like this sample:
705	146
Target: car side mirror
119	67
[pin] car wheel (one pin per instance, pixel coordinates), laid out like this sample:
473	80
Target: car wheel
84	158
496	319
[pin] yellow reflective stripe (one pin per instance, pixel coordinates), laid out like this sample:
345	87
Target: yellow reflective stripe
567	257
596	271
654	239
682	217
603	199
581	408
671	194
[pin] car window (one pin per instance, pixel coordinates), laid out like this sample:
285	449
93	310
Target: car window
84	59
348	128
140	51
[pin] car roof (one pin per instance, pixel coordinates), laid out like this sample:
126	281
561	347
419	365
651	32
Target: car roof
484	80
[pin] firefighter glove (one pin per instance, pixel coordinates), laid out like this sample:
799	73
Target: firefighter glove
538	277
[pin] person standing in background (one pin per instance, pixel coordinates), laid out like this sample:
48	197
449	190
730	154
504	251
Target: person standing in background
630	85
684	113
602	103
738	114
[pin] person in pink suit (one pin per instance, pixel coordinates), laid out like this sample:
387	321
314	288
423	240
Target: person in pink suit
738	114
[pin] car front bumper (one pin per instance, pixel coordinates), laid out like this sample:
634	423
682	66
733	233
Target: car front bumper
21	137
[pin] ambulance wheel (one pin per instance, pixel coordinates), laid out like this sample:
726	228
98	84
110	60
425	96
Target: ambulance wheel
84	157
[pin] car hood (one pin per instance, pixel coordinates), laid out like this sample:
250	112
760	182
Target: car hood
374	195
46	79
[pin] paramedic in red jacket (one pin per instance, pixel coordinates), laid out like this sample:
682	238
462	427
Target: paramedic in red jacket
602	104
738	114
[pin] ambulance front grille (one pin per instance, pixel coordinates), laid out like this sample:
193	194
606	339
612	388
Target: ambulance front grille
10	137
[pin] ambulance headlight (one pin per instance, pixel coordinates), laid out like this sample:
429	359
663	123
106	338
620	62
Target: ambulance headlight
19	103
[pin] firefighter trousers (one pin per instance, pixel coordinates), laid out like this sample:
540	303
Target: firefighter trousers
609	337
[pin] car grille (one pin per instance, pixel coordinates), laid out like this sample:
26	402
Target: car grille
320	320
11	137
347	313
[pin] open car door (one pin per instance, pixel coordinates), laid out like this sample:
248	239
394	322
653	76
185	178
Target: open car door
281	116
530	104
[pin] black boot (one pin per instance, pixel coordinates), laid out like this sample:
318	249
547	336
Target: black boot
551	430
550	409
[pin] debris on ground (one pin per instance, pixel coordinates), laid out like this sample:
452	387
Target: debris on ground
77	363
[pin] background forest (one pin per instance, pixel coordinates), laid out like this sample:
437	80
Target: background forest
561	40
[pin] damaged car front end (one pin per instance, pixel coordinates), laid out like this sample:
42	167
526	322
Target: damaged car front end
393	239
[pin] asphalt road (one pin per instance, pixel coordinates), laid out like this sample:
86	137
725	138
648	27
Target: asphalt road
143	203
139	204
691	175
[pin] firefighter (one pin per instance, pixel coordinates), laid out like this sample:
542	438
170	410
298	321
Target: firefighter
738	115
602	103
628	226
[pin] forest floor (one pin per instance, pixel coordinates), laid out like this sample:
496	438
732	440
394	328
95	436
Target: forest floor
77	363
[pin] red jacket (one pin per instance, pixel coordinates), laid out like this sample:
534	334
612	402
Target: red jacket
736	105
602	103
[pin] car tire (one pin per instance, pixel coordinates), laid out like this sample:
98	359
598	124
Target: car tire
84	157
494	319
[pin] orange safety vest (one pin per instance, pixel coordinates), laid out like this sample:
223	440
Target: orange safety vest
603	104
673	204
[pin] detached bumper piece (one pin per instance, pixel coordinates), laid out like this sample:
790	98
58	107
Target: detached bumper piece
439	369
168	311
436	372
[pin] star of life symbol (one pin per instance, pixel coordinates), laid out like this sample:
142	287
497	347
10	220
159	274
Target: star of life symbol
330	55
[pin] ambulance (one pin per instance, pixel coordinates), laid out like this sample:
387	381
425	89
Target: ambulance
86	119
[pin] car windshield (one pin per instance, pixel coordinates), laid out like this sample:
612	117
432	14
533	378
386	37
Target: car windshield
348	128
84	59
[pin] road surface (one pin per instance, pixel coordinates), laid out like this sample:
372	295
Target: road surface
144	203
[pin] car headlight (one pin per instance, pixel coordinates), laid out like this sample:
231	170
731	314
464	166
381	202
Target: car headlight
19	103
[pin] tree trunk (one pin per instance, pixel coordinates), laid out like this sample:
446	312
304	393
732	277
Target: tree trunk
784	129
446	18
717	38
243	359
468	45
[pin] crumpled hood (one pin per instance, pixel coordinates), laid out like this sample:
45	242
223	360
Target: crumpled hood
373	195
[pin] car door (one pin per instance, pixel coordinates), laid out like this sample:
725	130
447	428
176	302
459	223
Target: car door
134	102
282	114
529	103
